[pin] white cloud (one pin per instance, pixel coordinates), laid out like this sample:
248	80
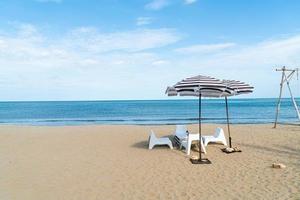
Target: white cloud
160	4
157	4
254	63
143	21
190	1
29	42
27	30
89	64
273	52
160	62
204	48
82	64
49	1
258	56
136	40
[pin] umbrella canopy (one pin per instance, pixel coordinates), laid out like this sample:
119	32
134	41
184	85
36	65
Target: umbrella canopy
206	86
238	87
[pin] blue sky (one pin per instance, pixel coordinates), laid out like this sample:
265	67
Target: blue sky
134	49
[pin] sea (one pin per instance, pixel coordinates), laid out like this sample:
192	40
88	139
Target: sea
144	112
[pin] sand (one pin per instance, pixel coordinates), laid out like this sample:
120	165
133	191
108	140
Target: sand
113	162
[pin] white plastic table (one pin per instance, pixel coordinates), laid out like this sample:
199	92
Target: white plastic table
192	137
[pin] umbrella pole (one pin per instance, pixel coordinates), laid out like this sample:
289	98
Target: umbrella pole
200	160
228	126
200	130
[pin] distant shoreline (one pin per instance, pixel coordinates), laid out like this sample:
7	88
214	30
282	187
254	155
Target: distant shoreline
142	125
166	99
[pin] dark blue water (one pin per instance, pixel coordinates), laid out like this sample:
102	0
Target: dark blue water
143	112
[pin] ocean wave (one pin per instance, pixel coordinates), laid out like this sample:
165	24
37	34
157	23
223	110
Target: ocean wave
138	121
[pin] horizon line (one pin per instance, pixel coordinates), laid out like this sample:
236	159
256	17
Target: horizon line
171	99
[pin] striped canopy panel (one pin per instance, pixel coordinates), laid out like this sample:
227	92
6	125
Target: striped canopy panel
208	87
238	87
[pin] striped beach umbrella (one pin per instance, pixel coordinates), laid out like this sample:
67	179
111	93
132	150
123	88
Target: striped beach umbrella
206	86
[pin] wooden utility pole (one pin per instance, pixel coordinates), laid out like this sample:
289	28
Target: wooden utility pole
287	75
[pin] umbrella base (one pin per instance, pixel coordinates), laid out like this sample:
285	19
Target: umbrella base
200	161
231	150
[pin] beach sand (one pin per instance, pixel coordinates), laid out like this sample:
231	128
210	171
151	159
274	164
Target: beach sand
113	162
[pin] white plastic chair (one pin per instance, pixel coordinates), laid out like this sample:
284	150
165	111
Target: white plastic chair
181	133
187	143
218	137
153	140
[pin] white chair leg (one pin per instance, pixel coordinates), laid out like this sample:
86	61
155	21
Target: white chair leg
151	146
151	140
224	142
188	147
170	145
203	146
205	142
223	139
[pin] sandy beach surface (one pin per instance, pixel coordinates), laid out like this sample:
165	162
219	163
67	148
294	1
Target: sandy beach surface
113	162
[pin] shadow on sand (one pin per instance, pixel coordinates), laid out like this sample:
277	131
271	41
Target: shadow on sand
141	145
281	149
